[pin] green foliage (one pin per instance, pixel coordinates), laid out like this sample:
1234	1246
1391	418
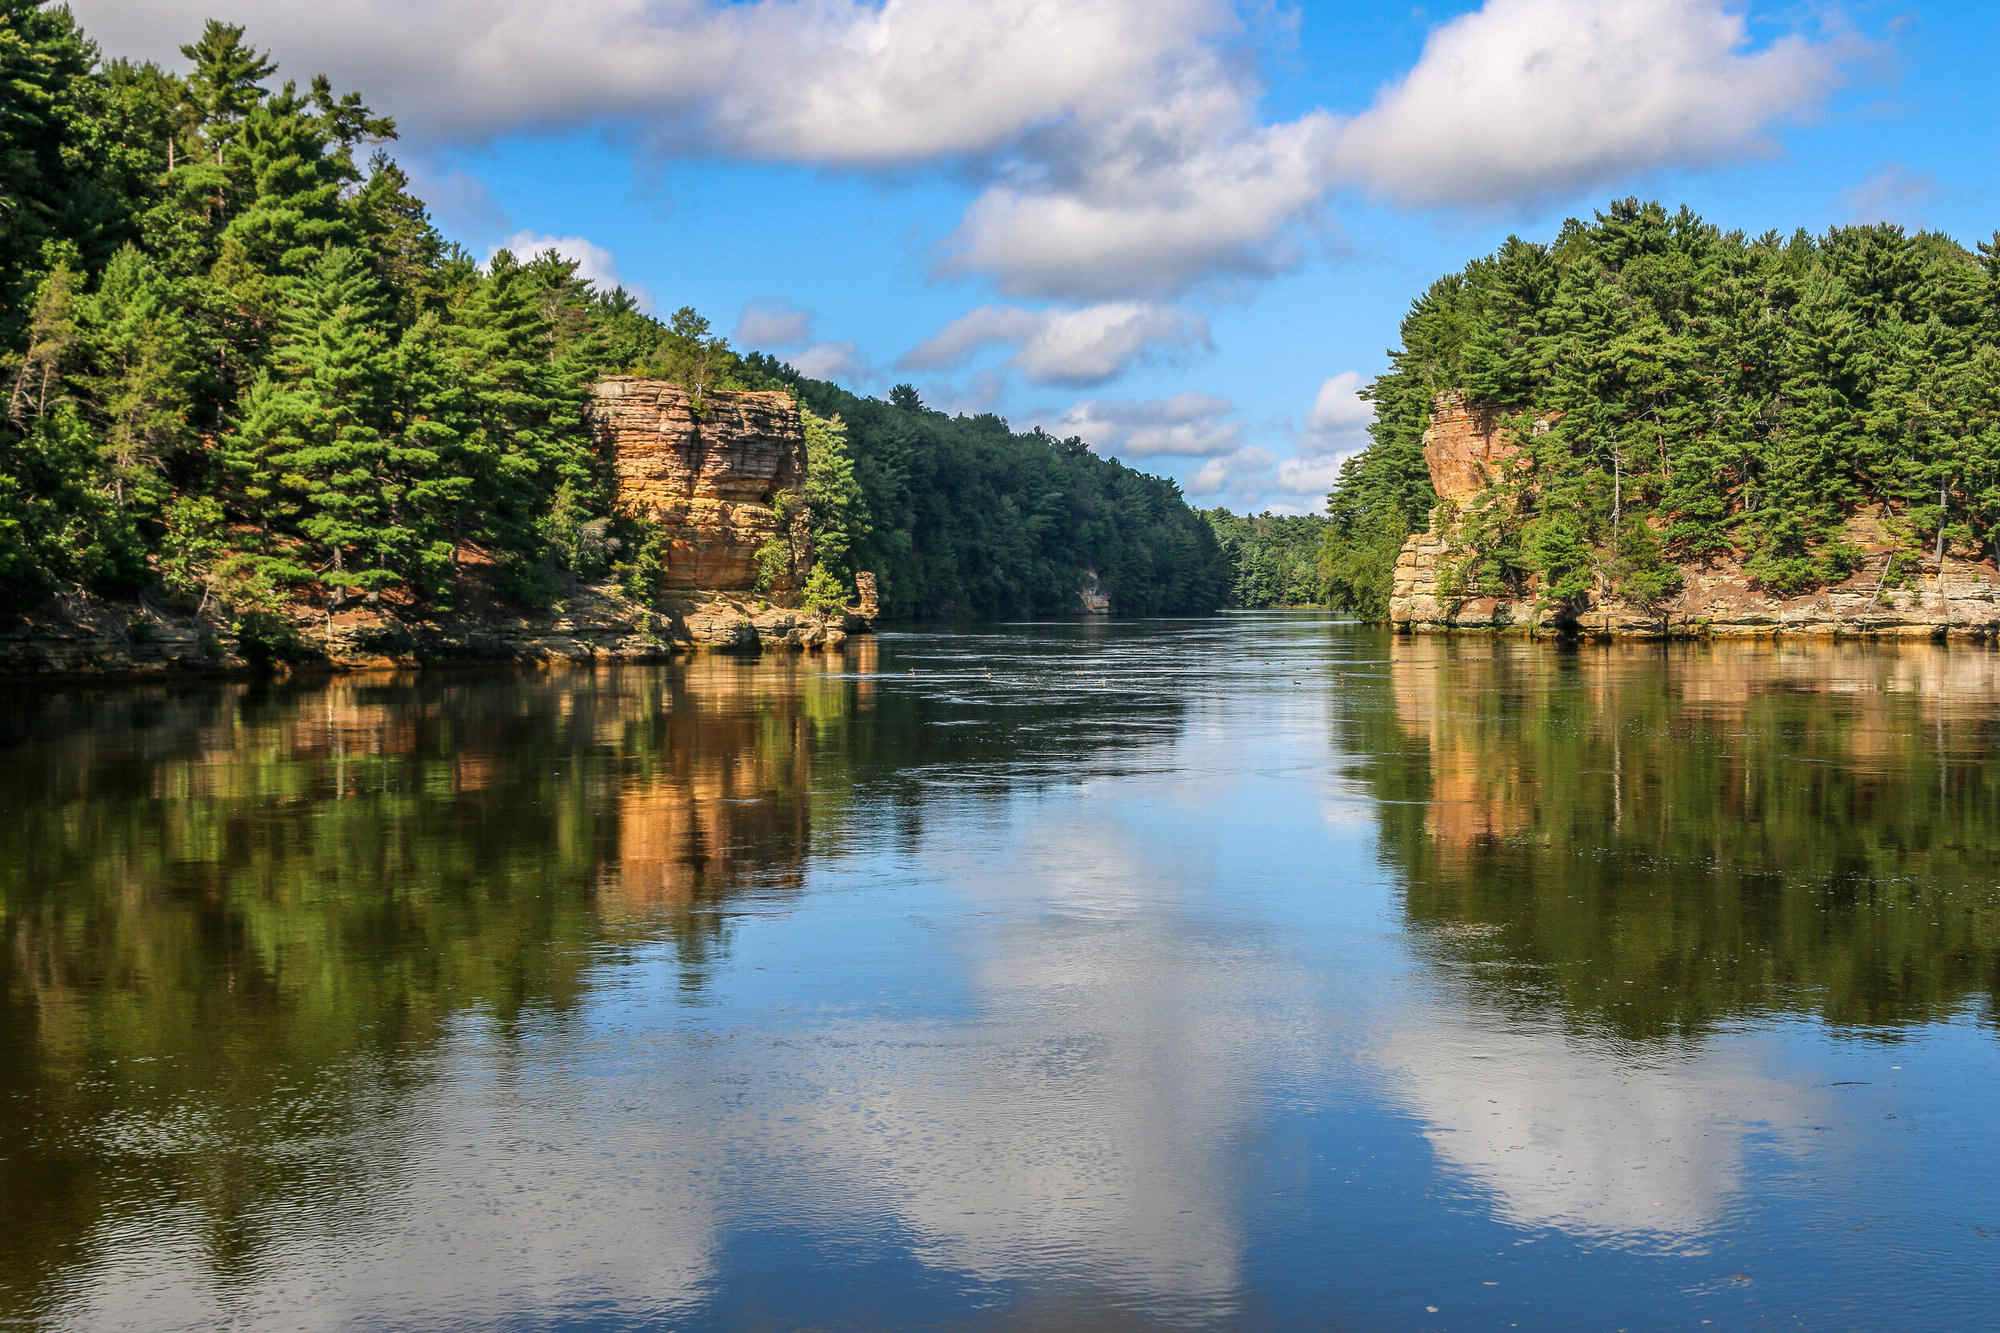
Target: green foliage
836	511
1642	573
1702	395
1272	559
962	517
822	594
240	362
191	545
692	357
640	577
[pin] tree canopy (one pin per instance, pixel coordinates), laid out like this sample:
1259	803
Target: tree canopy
241	363
1707	396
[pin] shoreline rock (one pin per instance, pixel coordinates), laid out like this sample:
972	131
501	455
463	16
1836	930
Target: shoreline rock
1467	449
86	639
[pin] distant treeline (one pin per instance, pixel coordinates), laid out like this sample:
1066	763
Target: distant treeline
1710	396
1273	559
242	368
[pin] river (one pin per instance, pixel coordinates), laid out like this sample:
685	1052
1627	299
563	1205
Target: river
1255	971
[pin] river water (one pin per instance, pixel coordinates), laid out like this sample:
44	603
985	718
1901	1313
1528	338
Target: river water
1256	971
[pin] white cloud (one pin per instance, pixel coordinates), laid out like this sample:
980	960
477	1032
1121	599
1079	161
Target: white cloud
1120	140
1253	480
593	261
829	361
1309	474
829	82
772	324
1338	408
1523	98
1233	476
1187	425
1067	347
1140	215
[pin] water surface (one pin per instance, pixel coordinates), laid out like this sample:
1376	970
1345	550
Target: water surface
1257	971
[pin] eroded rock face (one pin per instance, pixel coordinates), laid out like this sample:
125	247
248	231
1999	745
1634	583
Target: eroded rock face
1464	447
710	481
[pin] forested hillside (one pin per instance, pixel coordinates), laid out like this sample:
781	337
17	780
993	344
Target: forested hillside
244	370
1273	559
1708	396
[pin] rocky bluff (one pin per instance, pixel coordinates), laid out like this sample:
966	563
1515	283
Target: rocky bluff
712	479
1467	447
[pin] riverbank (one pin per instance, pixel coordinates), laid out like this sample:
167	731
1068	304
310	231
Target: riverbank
1961	601
87	637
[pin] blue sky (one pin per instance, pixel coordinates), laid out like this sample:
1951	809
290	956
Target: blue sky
1184	229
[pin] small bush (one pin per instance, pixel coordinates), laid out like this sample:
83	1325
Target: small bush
823	594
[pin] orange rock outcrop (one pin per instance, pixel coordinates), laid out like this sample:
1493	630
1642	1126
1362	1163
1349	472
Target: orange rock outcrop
1465	445
711	479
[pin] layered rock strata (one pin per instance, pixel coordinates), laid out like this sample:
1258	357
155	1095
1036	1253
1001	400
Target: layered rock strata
710	478
1466	447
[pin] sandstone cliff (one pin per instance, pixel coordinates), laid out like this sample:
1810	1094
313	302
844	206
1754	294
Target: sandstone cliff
1466	448
711	480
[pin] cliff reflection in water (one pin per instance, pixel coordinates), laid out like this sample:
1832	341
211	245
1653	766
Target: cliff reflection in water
1616	860
1657	839
241	921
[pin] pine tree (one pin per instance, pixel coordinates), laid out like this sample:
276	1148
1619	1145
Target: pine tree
52	191
226	83
51	333
142	354
528	436
315	450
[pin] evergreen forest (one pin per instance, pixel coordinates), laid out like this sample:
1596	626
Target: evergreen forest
1690	395
1272	559
243	370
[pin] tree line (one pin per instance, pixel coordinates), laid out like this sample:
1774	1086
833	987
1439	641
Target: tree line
1704	396
243	368
1272	559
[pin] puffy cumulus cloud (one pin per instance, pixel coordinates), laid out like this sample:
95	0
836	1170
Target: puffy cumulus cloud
1518	100
1120	142
593	261
1309	474
831	82
775	324
1253	480
1336	429
1338	408
1147	216
1186	425
1522	98
1067	347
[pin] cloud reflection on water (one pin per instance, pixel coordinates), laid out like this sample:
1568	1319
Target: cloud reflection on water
1591	1135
